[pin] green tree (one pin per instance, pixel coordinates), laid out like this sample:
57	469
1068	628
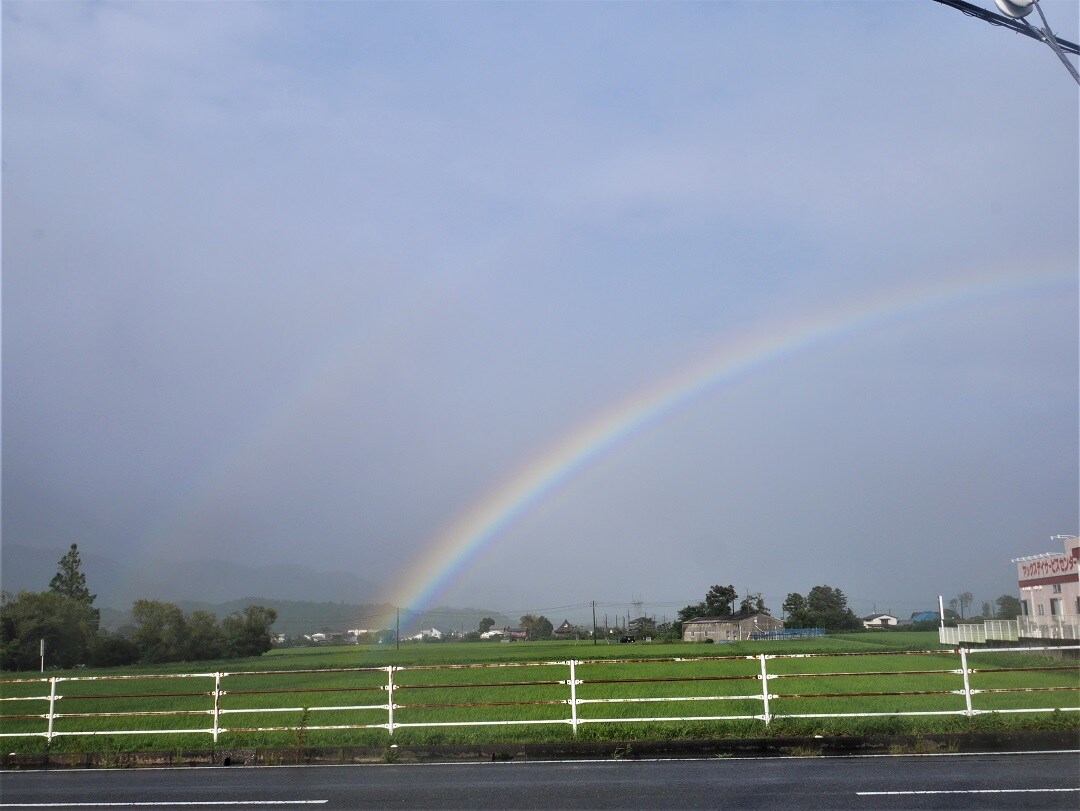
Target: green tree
1009	607
70	581
486	624
824	607
751	603
537	627
719	600
161	634
823	599
794	604
205	638
64	617
68	626
249	633
112	650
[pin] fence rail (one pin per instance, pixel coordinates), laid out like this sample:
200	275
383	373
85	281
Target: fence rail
1010	630
703	689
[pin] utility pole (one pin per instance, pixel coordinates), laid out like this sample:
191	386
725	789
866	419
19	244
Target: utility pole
397	628
594	622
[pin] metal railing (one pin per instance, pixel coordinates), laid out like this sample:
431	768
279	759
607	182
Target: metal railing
725	688
1011	630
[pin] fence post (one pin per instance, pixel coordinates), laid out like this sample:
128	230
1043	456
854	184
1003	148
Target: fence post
217	705
52	708
967	682
764	686
573	698
390	698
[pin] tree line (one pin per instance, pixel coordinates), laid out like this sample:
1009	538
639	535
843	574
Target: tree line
1008	608
65	618
535	628
822	607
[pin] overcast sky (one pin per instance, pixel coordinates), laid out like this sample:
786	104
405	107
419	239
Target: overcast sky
309	282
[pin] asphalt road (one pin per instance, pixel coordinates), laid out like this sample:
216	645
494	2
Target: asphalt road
1013	781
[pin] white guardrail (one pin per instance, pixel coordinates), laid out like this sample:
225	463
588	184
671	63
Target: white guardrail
269	690
1009	631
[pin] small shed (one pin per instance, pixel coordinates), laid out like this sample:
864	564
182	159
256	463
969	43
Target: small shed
514	634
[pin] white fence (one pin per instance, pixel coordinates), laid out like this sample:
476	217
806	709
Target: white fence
1010	631
713	683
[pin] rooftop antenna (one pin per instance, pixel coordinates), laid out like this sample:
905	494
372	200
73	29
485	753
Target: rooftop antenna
1012	16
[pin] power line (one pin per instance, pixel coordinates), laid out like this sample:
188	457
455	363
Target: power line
972	10
1017	10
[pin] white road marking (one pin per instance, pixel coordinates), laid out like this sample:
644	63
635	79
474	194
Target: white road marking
537	763
174	803
964	791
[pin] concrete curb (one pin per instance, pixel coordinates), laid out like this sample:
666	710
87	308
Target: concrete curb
576	750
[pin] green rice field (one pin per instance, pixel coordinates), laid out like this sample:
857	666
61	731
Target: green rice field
884	683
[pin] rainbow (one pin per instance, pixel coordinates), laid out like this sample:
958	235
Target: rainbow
451	552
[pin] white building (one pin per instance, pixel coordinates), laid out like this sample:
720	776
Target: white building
1049	586
427	633
879	621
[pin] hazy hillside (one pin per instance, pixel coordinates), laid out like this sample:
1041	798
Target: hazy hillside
297	617
117	583
306	599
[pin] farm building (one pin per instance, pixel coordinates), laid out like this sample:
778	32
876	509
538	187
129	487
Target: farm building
730	628
879	621
565	631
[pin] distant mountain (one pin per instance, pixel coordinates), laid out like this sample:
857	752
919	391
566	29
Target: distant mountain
298	617
306	600
118	583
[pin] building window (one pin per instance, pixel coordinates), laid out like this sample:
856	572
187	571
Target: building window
1057	588
1055	607
1025	610
1039	609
